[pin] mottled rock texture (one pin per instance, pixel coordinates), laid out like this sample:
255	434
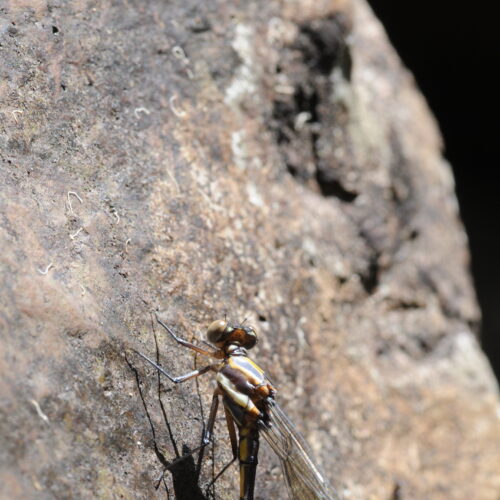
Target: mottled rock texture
257	158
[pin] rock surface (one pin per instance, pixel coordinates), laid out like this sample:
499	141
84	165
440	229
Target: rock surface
270	160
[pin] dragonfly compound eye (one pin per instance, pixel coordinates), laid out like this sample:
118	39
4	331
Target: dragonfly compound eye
216	331
248	337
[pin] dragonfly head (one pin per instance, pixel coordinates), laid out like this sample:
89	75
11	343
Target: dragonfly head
221	333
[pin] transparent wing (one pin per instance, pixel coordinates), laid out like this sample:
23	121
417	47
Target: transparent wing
302	476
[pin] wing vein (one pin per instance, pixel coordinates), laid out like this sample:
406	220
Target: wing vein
302	476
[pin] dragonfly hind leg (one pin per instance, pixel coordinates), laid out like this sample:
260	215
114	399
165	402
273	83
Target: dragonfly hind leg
234	446
207	437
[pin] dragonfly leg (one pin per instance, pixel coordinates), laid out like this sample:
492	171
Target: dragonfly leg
234	446
209	432
181	378
214	354
232	432
207	435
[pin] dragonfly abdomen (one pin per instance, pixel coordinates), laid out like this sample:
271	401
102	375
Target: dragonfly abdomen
247	454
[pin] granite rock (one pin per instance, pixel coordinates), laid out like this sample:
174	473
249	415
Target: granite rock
265	160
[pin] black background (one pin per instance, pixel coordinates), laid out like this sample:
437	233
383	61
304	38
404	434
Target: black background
453	51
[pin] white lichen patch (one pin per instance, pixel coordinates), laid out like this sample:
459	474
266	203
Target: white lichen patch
254	196
244	83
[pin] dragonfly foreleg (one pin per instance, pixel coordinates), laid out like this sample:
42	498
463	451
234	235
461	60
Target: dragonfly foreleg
189	345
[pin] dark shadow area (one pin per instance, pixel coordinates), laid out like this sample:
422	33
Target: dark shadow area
453	52
185	478
183	467
185	473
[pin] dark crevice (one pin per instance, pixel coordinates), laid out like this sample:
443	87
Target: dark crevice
414	234
302	119
421	345
282	114
293	170
396	492
326	47
402	191
404	305
332	187
370	278
424	345
307	101
383	349
199	25
415	345
285	113
446	308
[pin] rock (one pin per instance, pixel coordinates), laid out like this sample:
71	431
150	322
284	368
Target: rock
265	160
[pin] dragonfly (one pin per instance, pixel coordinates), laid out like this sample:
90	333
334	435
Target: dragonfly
248	398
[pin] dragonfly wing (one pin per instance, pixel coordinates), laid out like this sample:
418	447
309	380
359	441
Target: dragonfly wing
302	475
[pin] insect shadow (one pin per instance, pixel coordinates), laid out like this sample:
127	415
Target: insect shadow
185	472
